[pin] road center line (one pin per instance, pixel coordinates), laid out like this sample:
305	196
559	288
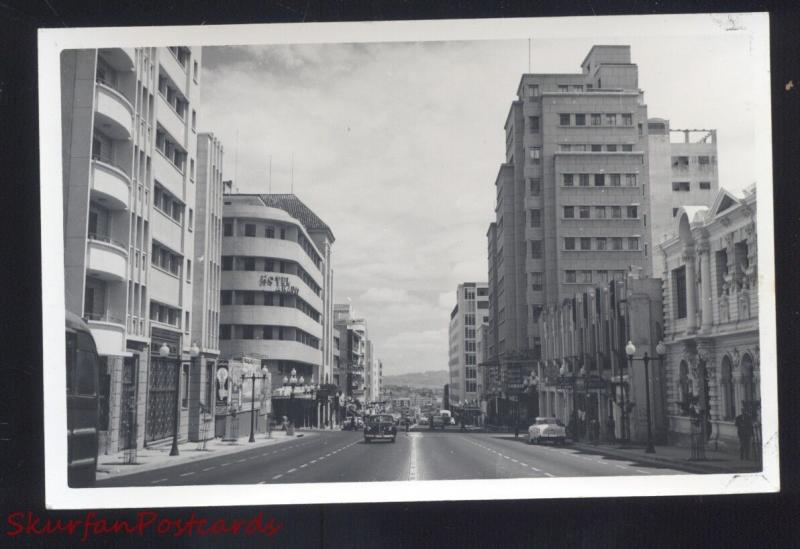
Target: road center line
187	474
209	468
276	477
159	480
412	466
291	470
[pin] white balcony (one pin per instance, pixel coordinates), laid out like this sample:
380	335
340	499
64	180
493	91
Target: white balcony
108	333
167	174
170	121
272	247
165	287
251	280
106	258
173	69
110	185
270	315
275	349
122	59
113	112
166	230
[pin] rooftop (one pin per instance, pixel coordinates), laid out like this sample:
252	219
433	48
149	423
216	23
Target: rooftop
297	209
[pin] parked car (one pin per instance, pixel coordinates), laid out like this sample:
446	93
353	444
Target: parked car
547	429
438	422
380	426
422	421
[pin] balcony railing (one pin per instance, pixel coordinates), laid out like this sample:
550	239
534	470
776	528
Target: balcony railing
107	239
104	316
109	161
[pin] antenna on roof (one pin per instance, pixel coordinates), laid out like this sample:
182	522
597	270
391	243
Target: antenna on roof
236	161
529	55
270	174
292	173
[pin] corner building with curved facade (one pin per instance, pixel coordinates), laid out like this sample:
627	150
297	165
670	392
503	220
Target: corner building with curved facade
276	295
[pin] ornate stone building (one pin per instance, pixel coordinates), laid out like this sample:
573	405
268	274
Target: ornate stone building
711	320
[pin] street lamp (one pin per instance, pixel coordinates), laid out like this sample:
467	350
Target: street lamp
252	376
630	350
291	381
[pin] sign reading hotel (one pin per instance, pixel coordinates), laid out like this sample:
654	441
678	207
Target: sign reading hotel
278	284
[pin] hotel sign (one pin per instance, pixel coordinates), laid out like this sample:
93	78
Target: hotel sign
278	284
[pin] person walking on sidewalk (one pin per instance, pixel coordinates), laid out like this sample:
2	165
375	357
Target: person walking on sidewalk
744	429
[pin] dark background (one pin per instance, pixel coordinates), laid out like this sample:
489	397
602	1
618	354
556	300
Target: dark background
752	520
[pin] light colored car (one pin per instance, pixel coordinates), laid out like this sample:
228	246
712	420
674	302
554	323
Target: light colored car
547	429
422	421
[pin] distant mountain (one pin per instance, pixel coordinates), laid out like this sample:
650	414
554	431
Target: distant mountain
430	379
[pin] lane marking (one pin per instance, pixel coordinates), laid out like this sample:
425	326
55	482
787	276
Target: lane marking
276	477
313	461
304	465
187	474
209	468
549	475
645	472
291	470
225	464
412	466
241	460
159	480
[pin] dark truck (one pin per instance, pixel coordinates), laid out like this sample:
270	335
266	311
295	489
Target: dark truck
438	421
380	426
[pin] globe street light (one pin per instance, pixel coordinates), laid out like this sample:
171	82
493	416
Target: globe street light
630	349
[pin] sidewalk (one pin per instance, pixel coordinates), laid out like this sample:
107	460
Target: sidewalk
157	457
674	457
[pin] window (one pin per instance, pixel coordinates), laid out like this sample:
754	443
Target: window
533	91
577	88
185	379
722	269
569	243
679	291
616	243
586	243
569	212
224	331
536	249
630	179
227	263
270	232
600	243
536	218
283	233
568	180
563	89
564	119
579	148
599	180
580	119
641	130
249	263
611	119
633	243
188	270
227	229
536	155
597	148
226	297
583	179
584	212
570	277
633	212
564	148
627	119
195	71
535	186
600	212
680	162
585	277
194	119
596	119
680	186
536	282
627	148
533	124
705	185
249	229
674	212
191	219
703	160
601	276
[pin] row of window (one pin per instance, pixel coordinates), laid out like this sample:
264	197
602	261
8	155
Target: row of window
702	161
269	231
685	186
282	333
167	315
169	261
272	299
169	204
601	243
590	277
596	119
595	147
170	150
600	212
533	89
271	265
599	179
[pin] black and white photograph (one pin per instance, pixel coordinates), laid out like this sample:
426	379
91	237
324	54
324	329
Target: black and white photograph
408	261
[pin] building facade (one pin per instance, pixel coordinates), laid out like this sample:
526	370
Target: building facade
711	320
352	351
129	157
471	310
683	172
272	304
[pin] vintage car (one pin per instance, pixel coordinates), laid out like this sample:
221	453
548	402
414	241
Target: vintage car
438	422
547	429
380	426
422	421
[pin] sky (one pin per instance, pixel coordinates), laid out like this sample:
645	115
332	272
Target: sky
396	146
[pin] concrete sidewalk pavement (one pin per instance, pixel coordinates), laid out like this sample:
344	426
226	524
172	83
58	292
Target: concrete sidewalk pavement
675	457
157	457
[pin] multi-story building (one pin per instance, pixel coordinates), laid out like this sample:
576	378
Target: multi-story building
572	204
683	172
129	157
272	292
368	371
471	310
352	350
711	320
207	226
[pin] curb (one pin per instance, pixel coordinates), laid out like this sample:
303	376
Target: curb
195	455
687	466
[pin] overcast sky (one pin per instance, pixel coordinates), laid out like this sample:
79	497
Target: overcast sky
396	146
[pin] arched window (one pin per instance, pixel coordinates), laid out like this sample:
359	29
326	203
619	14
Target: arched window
684	384
728	389
748	385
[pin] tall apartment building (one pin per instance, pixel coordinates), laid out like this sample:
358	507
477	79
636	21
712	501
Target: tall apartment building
683	172
129	157
471	310
368	371
572	202
272	305
352	350
206	279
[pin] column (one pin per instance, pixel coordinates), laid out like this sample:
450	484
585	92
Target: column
705	288
691	284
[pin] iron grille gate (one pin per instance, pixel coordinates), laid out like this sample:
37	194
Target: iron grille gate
161	395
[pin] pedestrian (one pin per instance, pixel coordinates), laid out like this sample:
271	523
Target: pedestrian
744	429
611	428
463	423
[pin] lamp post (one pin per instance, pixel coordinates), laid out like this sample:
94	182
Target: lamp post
163	351
630	350
252	371
291	382
623	406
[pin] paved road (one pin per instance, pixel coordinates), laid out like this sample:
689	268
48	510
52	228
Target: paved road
418	455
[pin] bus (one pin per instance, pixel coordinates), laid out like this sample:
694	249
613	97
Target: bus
83	401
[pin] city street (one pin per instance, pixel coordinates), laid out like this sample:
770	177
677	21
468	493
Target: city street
342	456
